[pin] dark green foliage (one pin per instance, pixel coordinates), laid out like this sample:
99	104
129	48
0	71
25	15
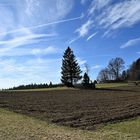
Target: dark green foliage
86	80
92	85
36	86
125	75
95	82
50	85
87	83
135	70
70	68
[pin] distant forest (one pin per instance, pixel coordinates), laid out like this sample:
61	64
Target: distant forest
35	86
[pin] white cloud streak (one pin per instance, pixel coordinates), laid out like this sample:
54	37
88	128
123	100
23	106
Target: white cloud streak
23	40
111	15
42	25
73	40
84	29
81	61
91	36
131	42
97	5
96	67
47	50
29	13
38	51
119	15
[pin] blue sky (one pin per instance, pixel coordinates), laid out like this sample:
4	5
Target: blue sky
35	33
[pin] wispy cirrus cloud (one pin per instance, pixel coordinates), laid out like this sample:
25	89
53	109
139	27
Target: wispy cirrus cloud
24	40
46	50
120	15
81	61
91	36
17	44
41	25
31	12
97	5
130	43
110	16
96	67
37	52
84	29
25	31
73	40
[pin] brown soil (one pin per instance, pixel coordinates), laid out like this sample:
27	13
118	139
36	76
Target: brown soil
84	109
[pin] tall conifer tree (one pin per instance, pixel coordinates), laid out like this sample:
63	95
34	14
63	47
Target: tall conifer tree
70	69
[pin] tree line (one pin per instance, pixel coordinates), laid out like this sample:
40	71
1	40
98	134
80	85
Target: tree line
134	70
116	72
36	86
71	73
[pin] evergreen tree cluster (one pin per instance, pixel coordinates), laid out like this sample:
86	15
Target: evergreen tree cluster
134	70
87	83
36	86
71	72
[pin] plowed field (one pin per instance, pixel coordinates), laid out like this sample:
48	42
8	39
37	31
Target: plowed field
84	109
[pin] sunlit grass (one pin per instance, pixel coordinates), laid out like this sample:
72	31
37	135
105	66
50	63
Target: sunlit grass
129	127
42	89
104	85
110	85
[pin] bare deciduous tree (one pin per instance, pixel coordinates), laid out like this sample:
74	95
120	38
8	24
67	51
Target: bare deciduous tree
87	69
115	67
103	75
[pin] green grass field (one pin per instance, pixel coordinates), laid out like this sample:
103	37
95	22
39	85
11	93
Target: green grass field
14	126
111	85
41	89
104	85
